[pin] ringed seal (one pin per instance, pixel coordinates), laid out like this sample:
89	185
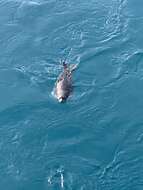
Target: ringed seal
63	85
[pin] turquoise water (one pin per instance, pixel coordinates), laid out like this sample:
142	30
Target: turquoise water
95	140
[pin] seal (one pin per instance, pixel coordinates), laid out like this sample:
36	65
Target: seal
63	86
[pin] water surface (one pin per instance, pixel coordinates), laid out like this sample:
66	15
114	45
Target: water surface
95	140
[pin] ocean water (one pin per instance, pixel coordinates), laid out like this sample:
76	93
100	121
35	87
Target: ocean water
94	141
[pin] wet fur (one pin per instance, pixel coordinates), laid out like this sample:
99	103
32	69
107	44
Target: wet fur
63	86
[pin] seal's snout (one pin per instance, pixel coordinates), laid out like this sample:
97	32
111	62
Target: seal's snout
61	99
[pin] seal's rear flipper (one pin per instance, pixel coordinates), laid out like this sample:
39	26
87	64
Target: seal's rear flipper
72	67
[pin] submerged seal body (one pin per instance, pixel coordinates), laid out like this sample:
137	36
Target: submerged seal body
63	86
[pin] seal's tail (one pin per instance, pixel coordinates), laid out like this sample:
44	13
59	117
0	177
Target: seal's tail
71	67
63	62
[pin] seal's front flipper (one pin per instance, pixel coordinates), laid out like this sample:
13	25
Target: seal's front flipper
72	67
